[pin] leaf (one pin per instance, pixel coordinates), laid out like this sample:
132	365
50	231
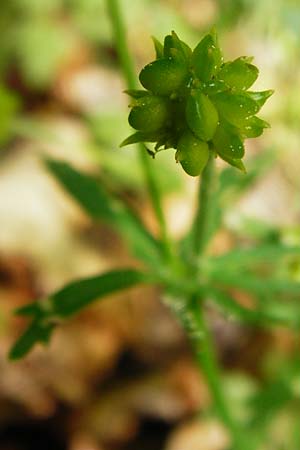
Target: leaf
77	295
201	115
36	332
100	205
269	401
238	74
267	286
227	143
207	57
70	300
245	315
243	258
235	108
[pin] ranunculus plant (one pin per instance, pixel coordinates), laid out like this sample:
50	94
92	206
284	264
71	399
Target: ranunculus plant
202	108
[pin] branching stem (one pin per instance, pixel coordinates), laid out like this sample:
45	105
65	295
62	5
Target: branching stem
204	350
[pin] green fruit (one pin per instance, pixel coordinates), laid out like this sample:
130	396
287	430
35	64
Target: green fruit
201	115
254	127
238	74
235	108
260	97
182	50
207	57
192	154
227	143
150	114
164	76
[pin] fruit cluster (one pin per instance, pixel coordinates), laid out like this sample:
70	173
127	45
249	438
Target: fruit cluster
196	103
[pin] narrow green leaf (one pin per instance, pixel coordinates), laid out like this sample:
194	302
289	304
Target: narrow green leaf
84	189
101	206
79	294
260	286
36	332
245	315
70	300
201	115
269	401
242	258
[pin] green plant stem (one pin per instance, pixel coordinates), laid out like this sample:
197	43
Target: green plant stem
196	325
204	208
128	69
204	351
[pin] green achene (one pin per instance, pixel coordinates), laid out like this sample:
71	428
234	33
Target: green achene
192	153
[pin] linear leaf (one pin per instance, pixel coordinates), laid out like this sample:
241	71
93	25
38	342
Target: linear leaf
36	332
260	286
250	316
68	301
251	256
99	204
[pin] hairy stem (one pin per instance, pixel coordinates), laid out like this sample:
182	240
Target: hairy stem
196	326
204	351
128	69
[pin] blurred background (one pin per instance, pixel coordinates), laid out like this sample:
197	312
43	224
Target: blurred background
120	376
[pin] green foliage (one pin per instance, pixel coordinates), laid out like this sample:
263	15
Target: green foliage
202	94
66	302
102	205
